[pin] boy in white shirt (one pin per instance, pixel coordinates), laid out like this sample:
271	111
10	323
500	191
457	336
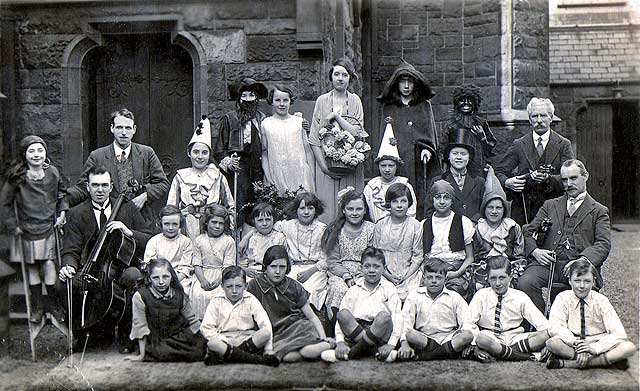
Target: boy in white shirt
497	313
436	319
370	315
589	331
236	325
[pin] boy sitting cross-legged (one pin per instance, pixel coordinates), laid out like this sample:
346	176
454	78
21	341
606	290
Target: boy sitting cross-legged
497	313
236	325
589	331
436	319
370	315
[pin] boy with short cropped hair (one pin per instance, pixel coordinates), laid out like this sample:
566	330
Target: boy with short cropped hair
588	332
436	319
236	325
498	311
370	315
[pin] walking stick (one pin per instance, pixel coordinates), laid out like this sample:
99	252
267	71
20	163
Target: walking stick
552	271
25	286
69	301
524	208
236	231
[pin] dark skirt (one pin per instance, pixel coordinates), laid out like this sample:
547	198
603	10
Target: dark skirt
183	346
294	337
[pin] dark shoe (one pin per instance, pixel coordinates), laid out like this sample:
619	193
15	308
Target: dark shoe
36	303
212	359
555	363
271	360
622	365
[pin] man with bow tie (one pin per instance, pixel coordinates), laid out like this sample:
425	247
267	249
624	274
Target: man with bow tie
84	222
520	172
580	228
126	160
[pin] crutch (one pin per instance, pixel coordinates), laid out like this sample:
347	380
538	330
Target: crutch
69	301
25	286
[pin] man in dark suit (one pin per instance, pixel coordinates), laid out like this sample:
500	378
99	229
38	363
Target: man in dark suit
468	189
84	222
580	228
529	186
126	160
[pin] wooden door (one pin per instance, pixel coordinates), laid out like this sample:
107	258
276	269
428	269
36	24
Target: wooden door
153	79
594	137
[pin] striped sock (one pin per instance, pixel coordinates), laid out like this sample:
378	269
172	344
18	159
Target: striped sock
522	346
508	354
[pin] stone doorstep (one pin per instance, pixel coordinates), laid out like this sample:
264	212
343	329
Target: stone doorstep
110	371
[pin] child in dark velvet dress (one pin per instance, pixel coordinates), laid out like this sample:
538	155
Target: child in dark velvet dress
163	321
297	331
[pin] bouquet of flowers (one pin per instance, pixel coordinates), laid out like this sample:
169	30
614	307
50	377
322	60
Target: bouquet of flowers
342	150
270	195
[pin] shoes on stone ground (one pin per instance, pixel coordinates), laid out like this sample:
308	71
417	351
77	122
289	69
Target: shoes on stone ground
329	356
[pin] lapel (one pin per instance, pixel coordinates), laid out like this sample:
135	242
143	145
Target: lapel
469	185
137	161
89	223
561	209
530	151
585	208
553	148
457	193
110	163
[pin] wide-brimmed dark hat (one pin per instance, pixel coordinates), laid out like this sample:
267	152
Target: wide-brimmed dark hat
248	84
460	138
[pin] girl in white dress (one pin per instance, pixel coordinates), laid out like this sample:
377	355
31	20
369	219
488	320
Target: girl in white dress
304	245
201	185
212	252
171	244
287	160
399	236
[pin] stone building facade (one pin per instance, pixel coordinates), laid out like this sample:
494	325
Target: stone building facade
594	50
67	64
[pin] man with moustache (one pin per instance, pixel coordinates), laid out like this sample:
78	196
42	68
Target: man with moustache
237	147
520	171
580	228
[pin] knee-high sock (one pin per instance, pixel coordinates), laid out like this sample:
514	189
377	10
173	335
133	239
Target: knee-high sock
509	354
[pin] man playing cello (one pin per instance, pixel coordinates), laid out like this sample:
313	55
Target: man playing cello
85	223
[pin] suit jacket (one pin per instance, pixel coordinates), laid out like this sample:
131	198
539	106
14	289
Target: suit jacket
81	231
522	158
466	202
592	233
147	170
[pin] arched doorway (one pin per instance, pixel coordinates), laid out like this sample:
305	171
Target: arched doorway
150	76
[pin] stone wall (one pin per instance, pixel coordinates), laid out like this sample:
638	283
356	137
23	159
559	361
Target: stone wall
240	38
500	46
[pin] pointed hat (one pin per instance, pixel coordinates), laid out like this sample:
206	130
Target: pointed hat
493	190
202	133
388	147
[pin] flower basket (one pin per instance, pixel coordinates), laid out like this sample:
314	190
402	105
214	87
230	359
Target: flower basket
343	151
339	168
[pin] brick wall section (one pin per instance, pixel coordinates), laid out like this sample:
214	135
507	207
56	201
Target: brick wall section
599	55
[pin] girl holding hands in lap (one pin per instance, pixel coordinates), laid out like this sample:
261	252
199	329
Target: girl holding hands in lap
297	331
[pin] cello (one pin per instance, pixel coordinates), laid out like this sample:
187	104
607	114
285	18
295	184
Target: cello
96	295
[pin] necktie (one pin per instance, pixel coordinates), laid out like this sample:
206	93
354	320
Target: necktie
123	157
583	324
540	147
103	216
497	327
571	208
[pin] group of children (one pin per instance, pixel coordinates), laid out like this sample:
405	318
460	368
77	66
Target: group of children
395	288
